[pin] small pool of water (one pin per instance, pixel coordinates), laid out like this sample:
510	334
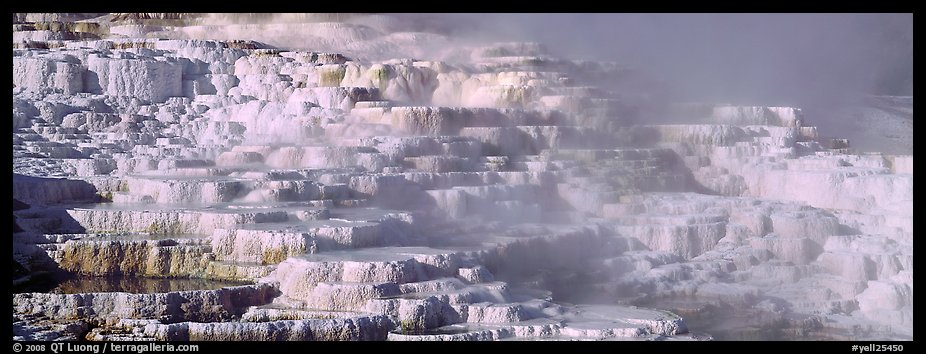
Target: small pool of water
362	213
446	330
729	323
302	225
131	236
70	284
380	254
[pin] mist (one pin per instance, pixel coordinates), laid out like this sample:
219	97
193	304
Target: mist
829	65
409	172
741	58
757	59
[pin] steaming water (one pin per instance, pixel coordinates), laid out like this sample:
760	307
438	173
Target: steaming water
703	317
724	322
706	317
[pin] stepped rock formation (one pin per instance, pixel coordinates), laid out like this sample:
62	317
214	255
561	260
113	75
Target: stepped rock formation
459	192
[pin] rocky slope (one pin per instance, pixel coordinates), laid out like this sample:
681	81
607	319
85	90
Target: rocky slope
460	192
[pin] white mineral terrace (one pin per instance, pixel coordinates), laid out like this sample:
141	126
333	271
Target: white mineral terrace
488	192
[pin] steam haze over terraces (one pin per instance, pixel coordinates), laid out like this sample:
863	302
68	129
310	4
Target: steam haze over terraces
406	177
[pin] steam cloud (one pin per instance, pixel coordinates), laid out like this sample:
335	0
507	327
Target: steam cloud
827	64
746	58
760	59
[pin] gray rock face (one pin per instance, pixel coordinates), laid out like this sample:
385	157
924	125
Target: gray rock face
197	306
484	192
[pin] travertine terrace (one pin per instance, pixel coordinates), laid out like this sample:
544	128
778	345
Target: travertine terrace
374	184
